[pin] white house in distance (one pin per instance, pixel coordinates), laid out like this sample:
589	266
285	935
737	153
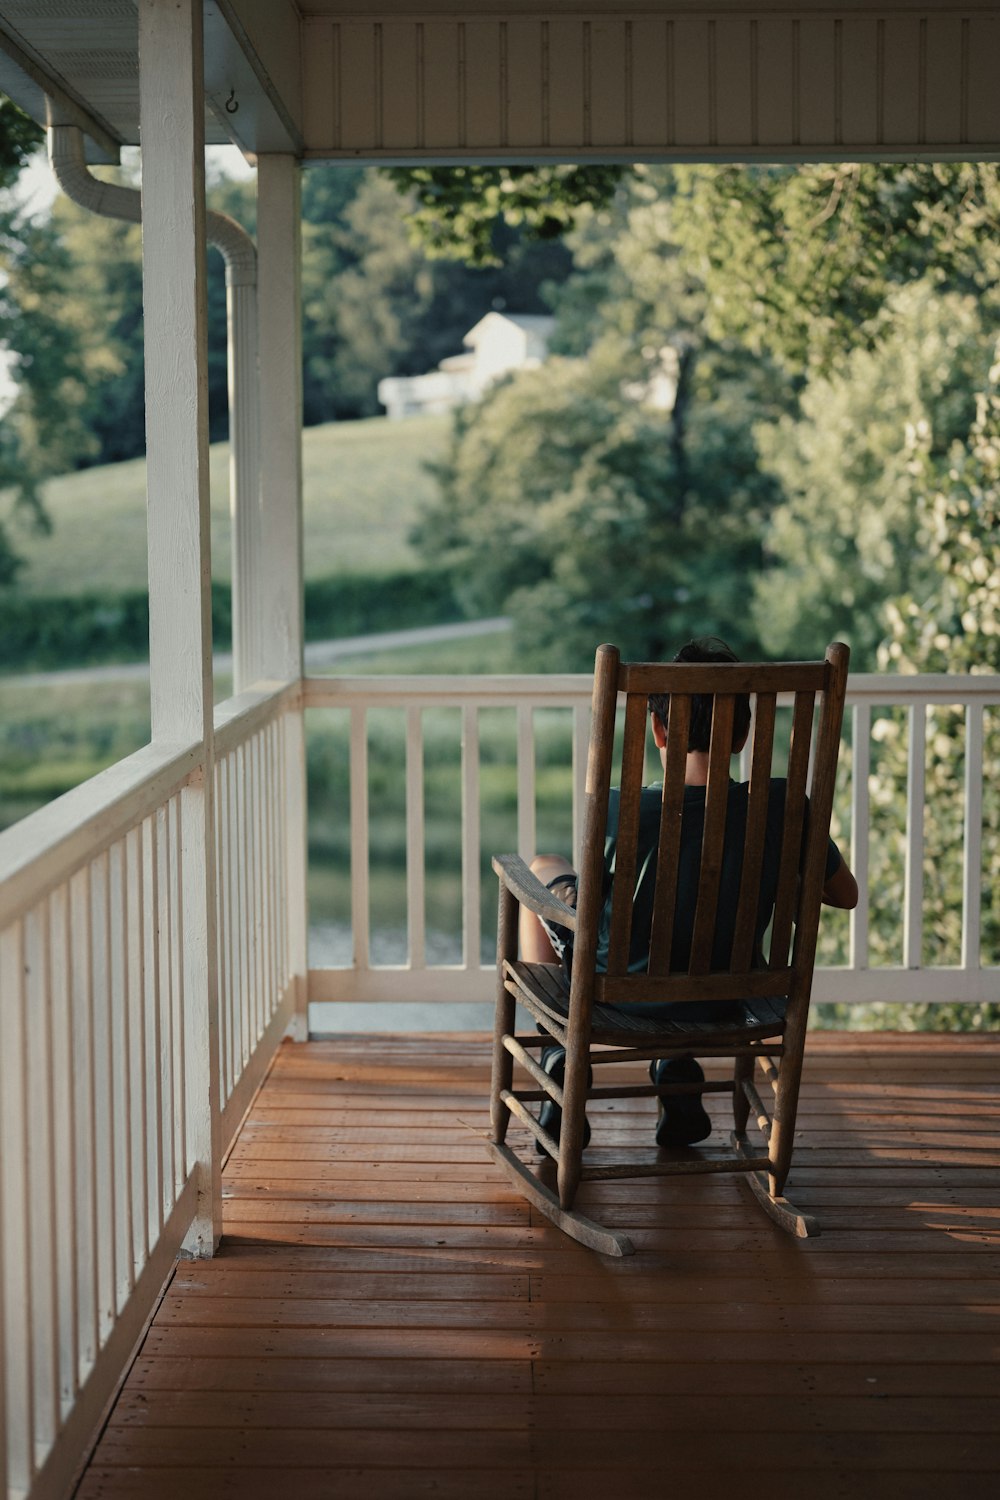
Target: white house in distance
498	343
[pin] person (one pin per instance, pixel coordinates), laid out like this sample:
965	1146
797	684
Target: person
682	1118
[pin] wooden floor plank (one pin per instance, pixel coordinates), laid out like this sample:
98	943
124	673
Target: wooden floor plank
265	1482
804	1262
653	1344
838	1480
413	1377
201	1310
388	1318
214	1279
602	1449
636	1412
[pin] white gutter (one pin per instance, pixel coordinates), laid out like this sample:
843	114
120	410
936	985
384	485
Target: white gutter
66	155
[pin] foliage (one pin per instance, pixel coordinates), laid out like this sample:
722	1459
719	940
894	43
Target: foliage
100	296
955	625
844	539
51	741
617	496
802	261
460	212
952	624
41	427
54	631
923	1016
19	138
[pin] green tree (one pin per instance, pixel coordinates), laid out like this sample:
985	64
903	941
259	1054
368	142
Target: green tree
846	537
41	430
802	261
461	212
19	138
949	622
616	494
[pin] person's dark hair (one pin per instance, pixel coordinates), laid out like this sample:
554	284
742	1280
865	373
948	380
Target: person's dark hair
705	648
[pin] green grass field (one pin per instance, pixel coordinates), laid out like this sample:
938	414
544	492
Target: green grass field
364	484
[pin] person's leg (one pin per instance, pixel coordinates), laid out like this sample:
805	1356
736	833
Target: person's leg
681	1118
536	944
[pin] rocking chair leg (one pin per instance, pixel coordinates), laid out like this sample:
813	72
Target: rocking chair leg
576	1225
742	1073
787	1217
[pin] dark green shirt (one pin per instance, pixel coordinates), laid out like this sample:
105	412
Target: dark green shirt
692	831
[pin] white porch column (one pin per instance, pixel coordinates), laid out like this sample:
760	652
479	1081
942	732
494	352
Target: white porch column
281	603
172	115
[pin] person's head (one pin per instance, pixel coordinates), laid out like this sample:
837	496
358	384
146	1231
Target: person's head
705	648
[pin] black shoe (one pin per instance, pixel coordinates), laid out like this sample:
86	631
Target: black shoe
682	1120
553	1060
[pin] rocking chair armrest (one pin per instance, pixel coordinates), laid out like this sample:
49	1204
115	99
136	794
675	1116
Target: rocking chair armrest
530	891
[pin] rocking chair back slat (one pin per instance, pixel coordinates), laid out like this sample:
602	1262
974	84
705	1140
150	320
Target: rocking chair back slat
791	846
630	798
599	758
753	850
714	835
668	850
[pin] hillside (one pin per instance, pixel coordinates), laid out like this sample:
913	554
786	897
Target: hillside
363	485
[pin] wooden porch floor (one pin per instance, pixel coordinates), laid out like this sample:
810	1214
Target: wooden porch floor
387	1319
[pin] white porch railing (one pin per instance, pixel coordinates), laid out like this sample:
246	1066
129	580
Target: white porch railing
470	978
104	1062
258	886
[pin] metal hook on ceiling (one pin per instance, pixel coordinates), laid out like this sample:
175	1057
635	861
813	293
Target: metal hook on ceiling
232	103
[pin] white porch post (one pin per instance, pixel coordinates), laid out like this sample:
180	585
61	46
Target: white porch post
281	604
172	111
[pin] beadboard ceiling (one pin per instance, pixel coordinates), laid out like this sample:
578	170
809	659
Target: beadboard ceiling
519	80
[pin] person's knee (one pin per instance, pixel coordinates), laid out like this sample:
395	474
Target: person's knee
548	866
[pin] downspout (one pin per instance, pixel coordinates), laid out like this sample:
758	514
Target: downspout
66	155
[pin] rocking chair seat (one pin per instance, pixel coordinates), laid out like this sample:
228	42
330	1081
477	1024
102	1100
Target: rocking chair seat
543	989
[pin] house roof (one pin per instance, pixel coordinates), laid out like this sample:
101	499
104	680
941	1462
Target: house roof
538	323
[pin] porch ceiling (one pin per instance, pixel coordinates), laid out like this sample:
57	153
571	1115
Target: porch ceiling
83	55
473	79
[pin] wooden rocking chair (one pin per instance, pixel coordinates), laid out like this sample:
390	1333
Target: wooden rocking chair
581	1013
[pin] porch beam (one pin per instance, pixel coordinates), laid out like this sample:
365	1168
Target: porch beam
172	112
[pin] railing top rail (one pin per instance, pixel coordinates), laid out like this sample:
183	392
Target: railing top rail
558	689
930	687
545	688
50	845
240	717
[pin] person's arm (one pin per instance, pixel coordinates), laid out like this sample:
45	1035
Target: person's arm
841	888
